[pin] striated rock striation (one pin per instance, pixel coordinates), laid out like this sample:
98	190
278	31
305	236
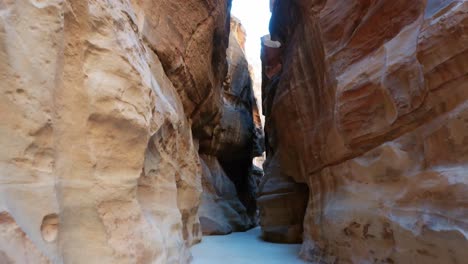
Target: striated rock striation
366	103
105	107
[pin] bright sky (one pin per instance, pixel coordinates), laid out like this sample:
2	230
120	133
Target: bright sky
255	16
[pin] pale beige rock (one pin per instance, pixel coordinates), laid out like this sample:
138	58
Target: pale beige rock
98	164
15	245
105	106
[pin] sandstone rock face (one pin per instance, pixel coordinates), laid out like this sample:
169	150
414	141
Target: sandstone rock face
221	211
98	103
366	102
282	201
191	38
229	178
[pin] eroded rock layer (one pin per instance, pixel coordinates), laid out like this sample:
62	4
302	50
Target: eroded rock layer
366	102
98	102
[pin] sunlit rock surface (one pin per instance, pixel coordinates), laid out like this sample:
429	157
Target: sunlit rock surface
98	102
366	103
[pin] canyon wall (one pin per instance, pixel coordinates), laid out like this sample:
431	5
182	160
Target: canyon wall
366	104
229	177
106	108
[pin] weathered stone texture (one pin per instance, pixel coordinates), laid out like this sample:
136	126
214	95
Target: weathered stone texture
237	139
369	110
221	211
98	103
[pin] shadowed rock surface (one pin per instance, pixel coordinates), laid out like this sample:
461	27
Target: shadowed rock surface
237	139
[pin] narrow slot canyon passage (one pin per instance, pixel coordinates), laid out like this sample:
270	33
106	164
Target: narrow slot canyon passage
233	131
249	23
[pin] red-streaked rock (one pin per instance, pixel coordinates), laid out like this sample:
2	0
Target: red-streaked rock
370	111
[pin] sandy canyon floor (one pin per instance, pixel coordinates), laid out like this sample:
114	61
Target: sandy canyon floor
244	248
